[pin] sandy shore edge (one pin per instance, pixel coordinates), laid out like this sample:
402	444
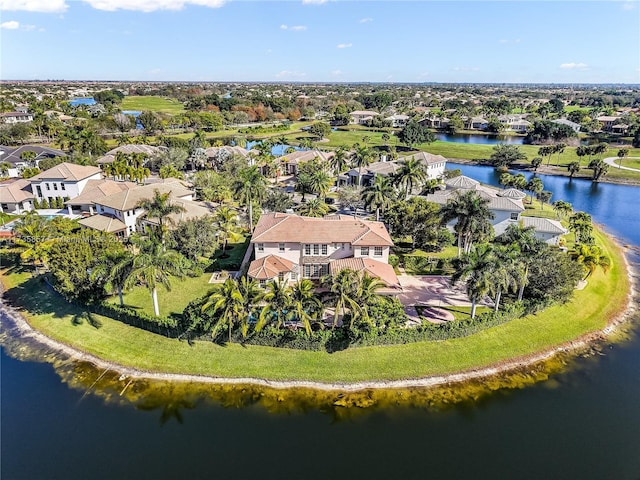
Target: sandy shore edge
20	324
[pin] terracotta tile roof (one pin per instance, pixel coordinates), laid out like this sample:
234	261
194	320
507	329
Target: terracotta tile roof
306	155
104	223
374	268
269	267
128	199
283	227
96	190
66	171
15	192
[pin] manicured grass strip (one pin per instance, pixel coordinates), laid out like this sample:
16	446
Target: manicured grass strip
628	162
172	302
589	311
152	103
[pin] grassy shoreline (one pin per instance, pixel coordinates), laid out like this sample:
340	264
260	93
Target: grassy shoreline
589	311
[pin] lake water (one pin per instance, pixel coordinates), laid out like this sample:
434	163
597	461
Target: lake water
135	114
582	424
82	101
276	150
479	138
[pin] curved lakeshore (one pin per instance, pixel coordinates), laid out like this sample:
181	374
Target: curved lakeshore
596	329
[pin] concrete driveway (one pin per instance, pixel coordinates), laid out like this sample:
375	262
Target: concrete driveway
434	291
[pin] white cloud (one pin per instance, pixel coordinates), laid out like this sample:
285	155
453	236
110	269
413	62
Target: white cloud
150	5
366	20
629	5
505	40
295	28
314	2
10	25
574	66
344	45
465	69
290	74
45	6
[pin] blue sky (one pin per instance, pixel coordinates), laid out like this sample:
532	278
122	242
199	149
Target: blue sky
316	40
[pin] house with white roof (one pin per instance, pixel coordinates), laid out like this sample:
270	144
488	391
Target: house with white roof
435	164
290	247
398	120
361	117
573	125
66	180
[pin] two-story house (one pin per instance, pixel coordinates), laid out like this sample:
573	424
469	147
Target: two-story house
66	180
361	117
290	247
119	212
434	164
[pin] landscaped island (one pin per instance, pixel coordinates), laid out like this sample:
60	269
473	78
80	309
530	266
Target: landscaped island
605	298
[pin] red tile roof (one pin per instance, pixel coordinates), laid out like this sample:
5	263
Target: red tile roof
283	227
269	267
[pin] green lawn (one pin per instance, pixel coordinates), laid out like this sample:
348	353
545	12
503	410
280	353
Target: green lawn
589	311
235	252
170	303
629	162
152	103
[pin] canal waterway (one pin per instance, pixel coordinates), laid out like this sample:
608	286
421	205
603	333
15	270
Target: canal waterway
581	424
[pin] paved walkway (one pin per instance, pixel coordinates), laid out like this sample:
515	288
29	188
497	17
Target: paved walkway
612	161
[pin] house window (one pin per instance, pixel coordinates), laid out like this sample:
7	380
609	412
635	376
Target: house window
307	271
294	276
324	250
307	249
62	186
364	251
316	249
55	186
377	251
281	276
46	185
261	247
263	283
281	247
514	215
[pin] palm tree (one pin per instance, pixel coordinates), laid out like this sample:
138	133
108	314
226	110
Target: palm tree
529	247
573	167
250	186
580	224
339	160
508	271
34	236
114	267
226	300
160	207
227	220
321	183
599	169
278	300
366	293
582	151
361	157
378	195
535	186
251	295
562	208
304	301
313	208
591	257
623	152
412	172
153	266
343	291
476	268
472	216
559	148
